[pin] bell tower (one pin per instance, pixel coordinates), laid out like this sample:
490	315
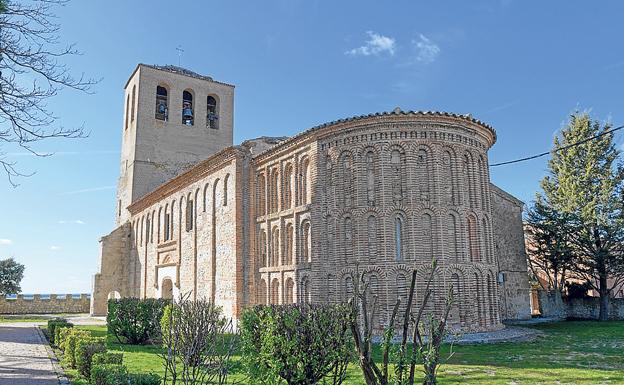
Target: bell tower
173	119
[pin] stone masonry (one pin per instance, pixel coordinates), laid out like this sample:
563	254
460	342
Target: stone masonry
285	220
54	304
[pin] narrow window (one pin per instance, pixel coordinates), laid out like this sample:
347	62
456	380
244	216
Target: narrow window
167	227
306	242
212	114
189	215
162	104
187	108
127	111
398	229
133	102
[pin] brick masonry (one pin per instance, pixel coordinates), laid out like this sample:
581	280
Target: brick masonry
283	221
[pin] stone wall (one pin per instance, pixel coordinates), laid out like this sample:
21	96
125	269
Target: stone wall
513	275
553	306
55	304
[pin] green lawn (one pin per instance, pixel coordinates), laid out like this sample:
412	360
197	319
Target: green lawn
582	352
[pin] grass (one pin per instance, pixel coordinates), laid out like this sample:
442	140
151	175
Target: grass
574	352
33	319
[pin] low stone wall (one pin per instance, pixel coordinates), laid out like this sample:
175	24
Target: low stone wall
55	304
551	305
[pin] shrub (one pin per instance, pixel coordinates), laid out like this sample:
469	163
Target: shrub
302	344
61	335
69	345
198	343
135	321
578	290
107	358
85	349
101	373
53	324
142	379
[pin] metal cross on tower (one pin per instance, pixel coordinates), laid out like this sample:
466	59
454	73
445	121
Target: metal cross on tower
180	52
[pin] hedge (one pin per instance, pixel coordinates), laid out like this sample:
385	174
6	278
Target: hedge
55	323
107	358
69	345
101	373
85	349
135	321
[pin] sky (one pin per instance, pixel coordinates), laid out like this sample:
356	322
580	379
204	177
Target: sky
520	66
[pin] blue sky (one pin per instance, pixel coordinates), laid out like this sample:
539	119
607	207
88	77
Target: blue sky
520	66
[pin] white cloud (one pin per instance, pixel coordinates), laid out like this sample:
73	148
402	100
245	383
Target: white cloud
87	190
426	50
376	45
5	241
75	221
55	248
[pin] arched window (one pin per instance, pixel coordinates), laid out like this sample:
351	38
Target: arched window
275	249
287	195
305	169
305	242
261	195
290	291
147	229
485	240
452	231
372	238
132	106
402	294
426	236
262	249
190	212
448	178
455	315
347	180
473	240
225	189
469	178
187	108
127	111
423	173
262	293
273	203
289	245
212	113
397	175
348	240
370	178
347	290
482	174
167	224
398	239
275	300
162	103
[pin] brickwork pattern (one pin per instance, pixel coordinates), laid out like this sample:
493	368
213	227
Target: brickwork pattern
38	304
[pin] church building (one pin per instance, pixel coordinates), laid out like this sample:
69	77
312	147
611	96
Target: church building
291	219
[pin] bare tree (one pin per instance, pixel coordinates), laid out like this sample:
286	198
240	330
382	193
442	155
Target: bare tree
31	72
198	343
428	332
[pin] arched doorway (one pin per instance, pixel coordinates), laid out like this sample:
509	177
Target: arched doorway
114	295
166	291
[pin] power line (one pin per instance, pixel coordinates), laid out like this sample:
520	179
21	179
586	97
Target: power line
559	149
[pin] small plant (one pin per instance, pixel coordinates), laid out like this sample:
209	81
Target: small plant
61	335
427	336
198	343
69	345
56	323
301	344
104	374
85	349
107	358
135	321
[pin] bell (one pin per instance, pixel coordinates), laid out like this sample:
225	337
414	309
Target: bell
161	108
187	113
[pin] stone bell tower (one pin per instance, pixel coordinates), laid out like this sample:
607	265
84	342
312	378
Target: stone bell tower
173	119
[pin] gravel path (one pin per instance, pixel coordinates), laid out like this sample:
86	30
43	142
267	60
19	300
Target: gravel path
24	359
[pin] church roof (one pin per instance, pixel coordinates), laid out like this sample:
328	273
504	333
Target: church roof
396	112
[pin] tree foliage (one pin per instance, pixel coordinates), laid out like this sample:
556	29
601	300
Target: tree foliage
11	275
32	72
585	183
549	250
133	320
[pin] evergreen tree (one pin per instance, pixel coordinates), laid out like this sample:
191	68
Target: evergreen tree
11	274
586	183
